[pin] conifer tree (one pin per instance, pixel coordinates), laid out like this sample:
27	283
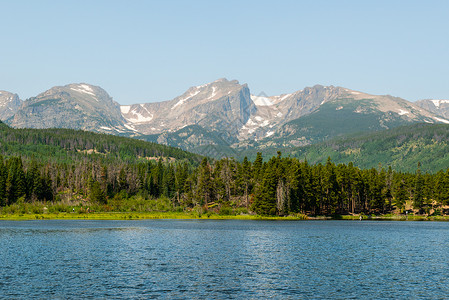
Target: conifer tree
401	195
265	196
205	187
418	197
96	193
246	178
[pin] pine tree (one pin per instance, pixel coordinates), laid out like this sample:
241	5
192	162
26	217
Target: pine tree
15	181
122	180
401	195
418	197
96	193
257	167
169	182
205	185
330	187
265	196
3	175
246	178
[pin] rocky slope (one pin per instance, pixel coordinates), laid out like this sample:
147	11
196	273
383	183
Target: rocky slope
222	105
301	118
224	114
439	107
76	106
9	105
343	111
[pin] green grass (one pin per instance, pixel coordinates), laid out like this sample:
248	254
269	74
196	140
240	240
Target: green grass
204	216
138	216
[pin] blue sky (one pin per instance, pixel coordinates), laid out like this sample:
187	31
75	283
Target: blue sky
145	51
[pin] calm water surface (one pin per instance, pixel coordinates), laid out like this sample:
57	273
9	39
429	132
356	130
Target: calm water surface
178	259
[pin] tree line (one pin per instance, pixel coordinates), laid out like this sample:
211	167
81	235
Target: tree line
279	186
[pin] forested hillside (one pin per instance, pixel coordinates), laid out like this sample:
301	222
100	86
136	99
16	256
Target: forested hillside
64	164
401	148
67	145
77	168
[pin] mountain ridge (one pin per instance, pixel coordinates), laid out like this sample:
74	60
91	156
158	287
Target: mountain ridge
224	113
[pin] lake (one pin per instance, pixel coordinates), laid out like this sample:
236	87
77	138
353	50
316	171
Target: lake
226	259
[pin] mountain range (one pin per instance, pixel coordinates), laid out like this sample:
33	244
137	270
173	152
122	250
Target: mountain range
222	118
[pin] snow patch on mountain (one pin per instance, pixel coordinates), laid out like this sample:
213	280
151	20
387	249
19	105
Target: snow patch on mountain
125	109
403	112
137	117
438	102
442	120
213	93
8	100
250	123
84	89
284	97
181	102
202	86
261	101
265	123
130	127
143	106
269	133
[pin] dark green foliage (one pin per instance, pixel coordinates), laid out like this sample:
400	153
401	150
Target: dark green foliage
401	148
96	194
339	118
56	166
205	183
67	146
265	195
418	199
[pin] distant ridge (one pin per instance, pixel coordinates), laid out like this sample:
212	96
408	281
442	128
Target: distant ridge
223	115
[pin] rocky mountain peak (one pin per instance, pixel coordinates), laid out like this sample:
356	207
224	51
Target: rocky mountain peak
197	105
439	107
222	111
77	105
9	105
83	91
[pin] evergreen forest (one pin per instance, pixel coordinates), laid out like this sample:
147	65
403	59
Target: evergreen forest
109	173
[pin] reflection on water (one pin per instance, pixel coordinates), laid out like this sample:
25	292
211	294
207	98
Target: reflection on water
223	259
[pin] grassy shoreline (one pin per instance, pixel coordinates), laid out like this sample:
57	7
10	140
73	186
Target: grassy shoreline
139	216
193	216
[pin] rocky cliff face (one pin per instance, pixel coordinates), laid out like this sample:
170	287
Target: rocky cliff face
9	105
224	114
439	107
77	106
274	112
326	112
222	106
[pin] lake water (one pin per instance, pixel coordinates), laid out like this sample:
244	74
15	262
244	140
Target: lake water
179	259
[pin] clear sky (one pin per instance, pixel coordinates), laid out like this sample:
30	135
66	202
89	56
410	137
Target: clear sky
145	51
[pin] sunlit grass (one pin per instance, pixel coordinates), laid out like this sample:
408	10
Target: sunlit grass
140	216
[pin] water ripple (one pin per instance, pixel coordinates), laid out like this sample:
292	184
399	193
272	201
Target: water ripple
223	259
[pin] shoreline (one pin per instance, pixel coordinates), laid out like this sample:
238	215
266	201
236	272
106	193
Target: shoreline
190	216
